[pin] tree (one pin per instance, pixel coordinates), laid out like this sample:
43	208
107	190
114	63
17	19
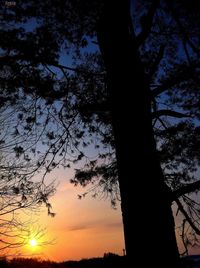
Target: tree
175	172
80	102
141	142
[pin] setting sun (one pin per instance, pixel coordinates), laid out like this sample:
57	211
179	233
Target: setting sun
33	242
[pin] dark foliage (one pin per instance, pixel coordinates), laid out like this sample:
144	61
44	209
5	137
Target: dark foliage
111	260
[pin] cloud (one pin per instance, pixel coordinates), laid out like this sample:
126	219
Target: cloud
97	225
78	228
116	224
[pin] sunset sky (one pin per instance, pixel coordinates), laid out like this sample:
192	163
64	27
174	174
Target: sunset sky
81	228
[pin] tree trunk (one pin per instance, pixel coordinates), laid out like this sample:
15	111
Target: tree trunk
145	201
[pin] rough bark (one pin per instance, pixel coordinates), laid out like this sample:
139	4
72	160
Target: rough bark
148	220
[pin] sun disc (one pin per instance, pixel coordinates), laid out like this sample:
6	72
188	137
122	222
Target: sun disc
33	242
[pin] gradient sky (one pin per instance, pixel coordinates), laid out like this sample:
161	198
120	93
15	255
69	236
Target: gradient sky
81	228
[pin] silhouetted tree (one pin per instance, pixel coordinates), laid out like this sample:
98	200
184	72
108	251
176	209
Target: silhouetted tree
149	75
18	190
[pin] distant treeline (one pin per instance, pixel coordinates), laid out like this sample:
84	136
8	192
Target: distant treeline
109	260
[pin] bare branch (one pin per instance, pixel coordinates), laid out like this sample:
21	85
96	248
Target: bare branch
186	189
183	238
187	217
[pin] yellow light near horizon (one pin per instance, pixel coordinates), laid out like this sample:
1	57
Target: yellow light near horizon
33	242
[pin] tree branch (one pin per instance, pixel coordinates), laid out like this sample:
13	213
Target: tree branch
187	217
146	22
182	28
185	74
183	237
164	112
63	67
5	60
186	189
95	107
157	61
